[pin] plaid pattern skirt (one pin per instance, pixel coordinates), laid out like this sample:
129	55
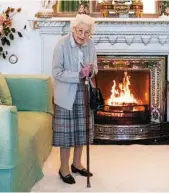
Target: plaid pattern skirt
69	126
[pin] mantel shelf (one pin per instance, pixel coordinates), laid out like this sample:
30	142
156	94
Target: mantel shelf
128	26
164	19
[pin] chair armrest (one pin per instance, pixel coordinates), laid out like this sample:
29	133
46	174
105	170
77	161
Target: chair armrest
8	137
31	92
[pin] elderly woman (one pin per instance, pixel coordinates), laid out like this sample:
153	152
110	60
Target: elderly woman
74	59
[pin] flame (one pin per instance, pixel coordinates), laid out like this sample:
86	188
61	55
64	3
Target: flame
121	93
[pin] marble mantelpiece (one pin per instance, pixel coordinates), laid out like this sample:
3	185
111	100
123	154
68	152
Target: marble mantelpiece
116	36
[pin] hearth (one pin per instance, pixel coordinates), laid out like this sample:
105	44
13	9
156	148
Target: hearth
134	89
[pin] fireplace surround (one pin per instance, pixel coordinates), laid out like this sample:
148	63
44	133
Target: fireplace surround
136	45
138	104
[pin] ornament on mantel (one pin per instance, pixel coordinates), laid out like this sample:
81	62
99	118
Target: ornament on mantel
83	8
45	11
164	8
45	3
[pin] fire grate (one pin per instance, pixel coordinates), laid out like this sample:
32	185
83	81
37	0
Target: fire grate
123	115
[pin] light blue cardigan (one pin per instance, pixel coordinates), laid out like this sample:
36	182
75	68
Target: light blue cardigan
65	69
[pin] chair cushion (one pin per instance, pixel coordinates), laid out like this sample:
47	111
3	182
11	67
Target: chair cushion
5	95
31	92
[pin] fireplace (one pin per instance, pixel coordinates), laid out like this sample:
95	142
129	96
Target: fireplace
134	91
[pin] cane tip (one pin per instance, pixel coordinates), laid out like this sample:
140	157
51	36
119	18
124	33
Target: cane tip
88	186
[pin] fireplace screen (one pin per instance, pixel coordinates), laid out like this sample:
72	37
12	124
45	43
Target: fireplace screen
134	90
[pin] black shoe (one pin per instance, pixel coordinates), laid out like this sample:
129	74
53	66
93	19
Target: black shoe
67	179
82	172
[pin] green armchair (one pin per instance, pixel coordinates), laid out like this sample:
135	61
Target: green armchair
25	132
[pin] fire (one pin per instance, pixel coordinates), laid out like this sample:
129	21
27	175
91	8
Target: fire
121	93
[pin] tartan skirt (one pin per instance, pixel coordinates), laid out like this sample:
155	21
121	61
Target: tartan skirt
69	126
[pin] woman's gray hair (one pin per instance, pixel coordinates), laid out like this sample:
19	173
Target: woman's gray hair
83	18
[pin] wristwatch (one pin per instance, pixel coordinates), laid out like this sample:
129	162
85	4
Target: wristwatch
13	59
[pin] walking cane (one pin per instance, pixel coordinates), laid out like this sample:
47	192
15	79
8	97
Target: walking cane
87	130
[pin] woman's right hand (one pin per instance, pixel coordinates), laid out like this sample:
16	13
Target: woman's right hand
85	71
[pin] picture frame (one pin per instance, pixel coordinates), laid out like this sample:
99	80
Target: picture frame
71	8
